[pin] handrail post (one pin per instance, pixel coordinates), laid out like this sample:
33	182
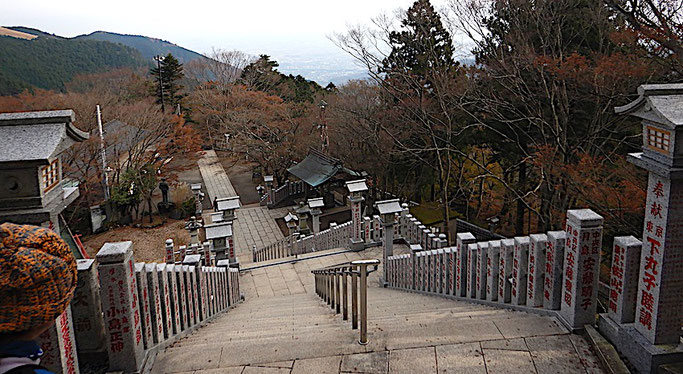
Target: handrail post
354	298
331	276
363	305
345	302
337	281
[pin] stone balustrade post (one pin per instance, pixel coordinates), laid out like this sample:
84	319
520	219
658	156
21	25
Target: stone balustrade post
624	279
121	307
206	251
176	316
536	269
581	267
520	263
170	251
59	346
461	246
194	263
472	270
554	261
154	292
492	270
507	249
86	311
182	297
143	297
482	259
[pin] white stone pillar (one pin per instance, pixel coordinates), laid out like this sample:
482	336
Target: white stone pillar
86	310
520	263
206	252
154	292
356	218
170	251
507	250
388	241
624	279
482	258
554	260
59	346
189	296
143	296
581	267
536	269
463	239
472	270
182	296
121	307
166	313
492	271
172	316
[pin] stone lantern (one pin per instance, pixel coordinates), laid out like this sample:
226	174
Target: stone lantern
356	189
228	205
292	222
268	180
220	235
302	213
658	316
32	187
388	210
314	206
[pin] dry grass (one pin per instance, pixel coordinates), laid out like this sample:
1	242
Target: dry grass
16	34
148	244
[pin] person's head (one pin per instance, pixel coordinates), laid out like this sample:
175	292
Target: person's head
37	280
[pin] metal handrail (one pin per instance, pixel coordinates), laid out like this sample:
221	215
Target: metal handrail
327	286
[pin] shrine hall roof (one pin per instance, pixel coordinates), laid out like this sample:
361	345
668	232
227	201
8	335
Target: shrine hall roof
316	169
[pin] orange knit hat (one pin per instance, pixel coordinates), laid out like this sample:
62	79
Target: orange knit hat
37	277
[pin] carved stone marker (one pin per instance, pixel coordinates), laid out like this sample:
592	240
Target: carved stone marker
85	307
461	243
121	307
624	279
520	262
581	267
505	270
536	269
155	302
554	260
492	271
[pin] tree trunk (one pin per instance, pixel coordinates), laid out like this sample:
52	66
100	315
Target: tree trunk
519	221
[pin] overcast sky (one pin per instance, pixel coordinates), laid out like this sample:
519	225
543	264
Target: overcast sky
200	24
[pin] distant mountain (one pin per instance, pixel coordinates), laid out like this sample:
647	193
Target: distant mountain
49	61
148	47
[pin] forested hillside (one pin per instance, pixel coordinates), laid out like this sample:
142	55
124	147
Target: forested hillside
148	47
50	62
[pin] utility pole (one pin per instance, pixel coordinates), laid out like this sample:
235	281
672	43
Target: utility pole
324	139
158	59
105	179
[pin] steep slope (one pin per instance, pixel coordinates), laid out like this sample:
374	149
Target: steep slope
148	47
50	62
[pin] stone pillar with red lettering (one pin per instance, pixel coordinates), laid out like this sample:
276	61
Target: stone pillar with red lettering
462	241
554	260
581	267
143	297
482	258
176	319
520	262
507	249
189	300
492	264
624	279
121	307
182	298
472	270
206	252
59	346
170	251
154	292
86	311
355	198
536	269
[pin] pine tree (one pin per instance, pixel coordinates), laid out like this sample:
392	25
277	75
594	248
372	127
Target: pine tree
421	46
171	74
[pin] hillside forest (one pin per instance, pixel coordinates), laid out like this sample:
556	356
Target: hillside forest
522	134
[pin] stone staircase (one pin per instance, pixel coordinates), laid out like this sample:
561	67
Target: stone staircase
408	333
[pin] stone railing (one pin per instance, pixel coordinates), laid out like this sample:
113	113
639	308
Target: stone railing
336	236
555	273
408	228
287	190
124	311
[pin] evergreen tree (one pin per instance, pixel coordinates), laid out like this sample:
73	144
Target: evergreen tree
421	46
169	76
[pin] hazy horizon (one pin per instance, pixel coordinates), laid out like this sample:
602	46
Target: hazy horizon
293	33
